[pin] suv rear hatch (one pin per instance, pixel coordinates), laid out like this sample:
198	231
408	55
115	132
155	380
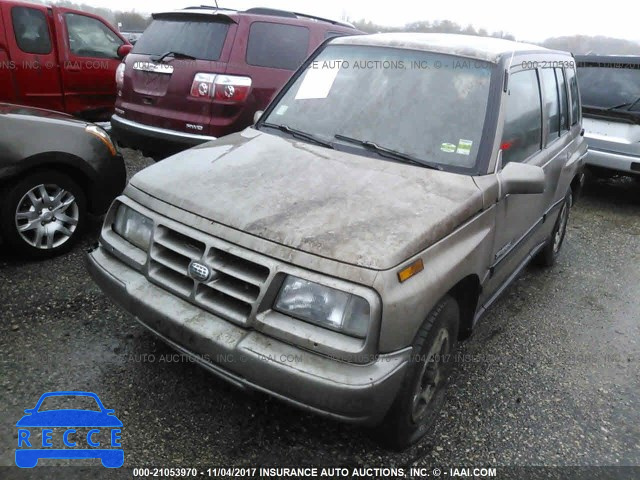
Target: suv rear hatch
158	87
610	90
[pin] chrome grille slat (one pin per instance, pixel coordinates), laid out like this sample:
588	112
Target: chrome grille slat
232	288
233	292
178	242
238	267
169	259
222	304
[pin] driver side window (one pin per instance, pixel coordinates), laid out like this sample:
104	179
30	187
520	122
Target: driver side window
89	37
522	135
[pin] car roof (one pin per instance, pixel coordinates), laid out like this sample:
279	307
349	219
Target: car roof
269	12
481	48
602	60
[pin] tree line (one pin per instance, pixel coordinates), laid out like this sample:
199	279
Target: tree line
132	21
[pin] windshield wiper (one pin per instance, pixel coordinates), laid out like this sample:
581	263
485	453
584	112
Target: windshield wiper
386	152
299	134
622	105
160	58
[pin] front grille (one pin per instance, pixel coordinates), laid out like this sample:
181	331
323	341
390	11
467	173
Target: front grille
235	288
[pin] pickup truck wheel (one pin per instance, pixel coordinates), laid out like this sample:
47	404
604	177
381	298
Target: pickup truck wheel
422	393
43	214
549	254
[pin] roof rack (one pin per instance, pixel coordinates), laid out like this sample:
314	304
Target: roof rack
287	14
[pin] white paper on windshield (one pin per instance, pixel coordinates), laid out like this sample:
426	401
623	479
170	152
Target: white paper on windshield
318	80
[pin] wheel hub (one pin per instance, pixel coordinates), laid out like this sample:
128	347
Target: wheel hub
47	216
432	376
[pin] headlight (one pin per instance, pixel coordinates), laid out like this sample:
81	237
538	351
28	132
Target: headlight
324	306
103	136
133	227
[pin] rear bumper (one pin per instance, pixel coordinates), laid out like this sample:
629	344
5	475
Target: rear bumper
251	360
153	139
613	161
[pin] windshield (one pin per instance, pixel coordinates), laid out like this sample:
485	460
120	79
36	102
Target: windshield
198	39
428	106
63	402
609	87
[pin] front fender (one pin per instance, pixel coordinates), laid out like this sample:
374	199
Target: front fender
406	305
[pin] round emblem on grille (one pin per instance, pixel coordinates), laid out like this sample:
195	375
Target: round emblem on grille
199	271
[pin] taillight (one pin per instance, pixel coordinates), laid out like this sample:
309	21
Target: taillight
222	88
202	85
120	75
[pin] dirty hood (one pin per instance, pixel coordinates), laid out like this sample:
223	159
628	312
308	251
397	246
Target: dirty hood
354	209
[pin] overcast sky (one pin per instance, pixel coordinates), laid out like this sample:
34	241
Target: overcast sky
540	19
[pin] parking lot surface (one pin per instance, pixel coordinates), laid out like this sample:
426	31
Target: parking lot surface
550	377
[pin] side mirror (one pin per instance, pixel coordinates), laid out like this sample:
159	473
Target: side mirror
29	410
124	50
257	115
521	179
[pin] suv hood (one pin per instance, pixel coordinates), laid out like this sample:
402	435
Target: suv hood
354	209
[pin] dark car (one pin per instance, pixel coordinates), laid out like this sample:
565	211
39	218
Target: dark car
54	169
201	73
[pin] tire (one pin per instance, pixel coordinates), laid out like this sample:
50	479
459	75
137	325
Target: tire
422	392
42	229
549	254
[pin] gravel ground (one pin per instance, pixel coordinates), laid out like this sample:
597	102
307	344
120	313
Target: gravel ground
550	377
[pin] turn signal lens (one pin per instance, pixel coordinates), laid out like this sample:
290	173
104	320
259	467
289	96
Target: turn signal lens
413	269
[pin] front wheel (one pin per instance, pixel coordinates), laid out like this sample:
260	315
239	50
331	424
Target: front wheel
549	254
422	393
43	214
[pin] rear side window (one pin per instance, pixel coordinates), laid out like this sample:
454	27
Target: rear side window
564	99
199	39
31	30
89	37
522	134
551	103
275	45
575	98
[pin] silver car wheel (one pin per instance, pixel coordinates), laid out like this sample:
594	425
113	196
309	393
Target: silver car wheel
47	216
431	377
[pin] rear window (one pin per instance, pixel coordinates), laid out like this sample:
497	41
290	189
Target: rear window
275	45
609	86
200	39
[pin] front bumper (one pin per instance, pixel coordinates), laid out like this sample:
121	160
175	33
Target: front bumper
251	360
613	161
153	139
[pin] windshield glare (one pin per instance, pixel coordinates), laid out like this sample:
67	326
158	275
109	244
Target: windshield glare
608	87
426	105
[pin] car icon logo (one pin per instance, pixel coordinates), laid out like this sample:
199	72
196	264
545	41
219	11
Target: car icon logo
199	271
99	421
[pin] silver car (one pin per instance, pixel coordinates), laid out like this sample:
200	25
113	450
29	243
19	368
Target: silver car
610	90
333	254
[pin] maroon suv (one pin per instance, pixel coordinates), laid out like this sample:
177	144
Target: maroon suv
201	73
